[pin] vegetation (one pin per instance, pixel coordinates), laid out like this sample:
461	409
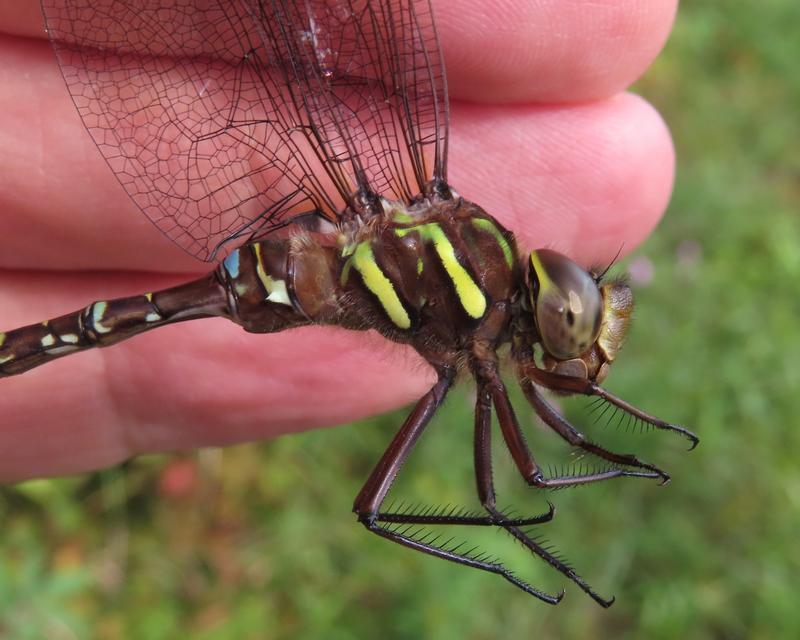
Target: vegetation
258	541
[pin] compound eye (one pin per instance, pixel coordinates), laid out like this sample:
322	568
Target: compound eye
567	304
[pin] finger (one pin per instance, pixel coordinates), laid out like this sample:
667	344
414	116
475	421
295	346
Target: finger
551	173
208	382
546	51
549	51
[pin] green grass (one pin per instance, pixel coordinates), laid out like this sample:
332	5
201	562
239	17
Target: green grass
263	545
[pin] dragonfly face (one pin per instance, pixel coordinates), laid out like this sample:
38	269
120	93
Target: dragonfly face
581	323
228	121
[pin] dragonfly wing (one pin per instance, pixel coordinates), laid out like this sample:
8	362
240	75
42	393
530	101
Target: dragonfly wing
224	118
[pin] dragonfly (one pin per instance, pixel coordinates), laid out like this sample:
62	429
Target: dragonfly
305	143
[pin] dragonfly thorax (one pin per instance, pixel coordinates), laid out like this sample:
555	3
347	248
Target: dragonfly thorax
433	274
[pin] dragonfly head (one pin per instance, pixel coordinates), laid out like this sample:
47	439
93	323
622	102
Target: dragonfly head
580	321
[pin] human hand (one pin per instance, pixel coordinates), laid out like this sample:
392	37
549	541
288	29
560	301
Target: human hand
546	144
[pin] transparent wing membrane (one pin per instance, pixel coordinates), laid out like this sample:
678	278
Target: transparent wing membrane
228	118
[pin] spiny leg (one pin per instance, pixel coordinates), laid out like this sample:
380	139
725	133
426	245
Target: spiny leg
454	516
568	384
463	558
457	516
386	470
523	458
483	475
372	495
562	427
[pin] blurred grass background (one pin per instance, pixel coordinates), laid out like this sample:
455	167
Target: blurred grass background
258	541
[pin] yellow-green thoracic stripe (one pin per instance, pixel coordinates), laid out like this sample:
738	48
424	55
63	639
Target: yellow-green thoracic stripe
363	261
469	293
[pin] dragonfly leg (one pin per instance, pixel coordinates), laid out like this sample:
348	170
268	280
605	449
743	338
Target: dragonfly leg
373	493
562	427
463	558
486	493
568	384
452	516
512	434
455	516
370	498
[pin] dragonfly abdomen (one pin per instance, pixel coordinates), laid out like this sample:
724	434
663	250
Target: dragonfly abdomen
107	322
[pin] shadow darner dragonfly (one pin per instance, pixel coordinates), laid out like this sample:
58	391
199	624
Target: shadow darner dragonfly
307	142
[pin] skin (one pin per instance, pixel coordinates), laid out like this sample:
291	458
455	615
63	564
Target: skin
543	137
